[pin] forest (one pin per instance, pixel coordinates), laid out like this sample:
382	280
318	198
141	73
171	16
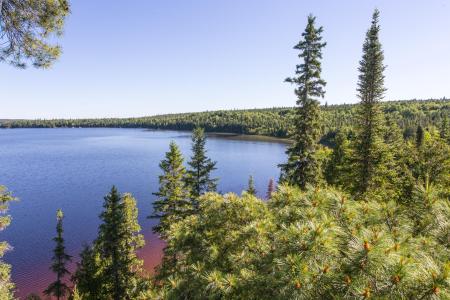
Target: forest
365	216
275	122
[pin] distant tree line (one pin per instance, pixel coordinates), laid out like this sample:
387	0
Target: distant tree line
276	122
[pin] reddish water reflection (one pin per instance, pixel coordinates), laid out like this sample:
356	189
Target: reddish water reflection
27	283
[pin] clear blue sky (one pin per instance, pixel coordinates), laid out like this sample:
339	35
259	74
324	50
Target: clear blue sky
146	57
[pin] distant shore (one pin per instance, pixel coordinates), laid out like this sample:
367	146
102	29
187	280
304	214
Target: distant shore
249	137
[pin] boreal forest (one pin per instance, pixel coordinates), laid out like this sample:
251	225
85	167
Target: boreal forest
361	209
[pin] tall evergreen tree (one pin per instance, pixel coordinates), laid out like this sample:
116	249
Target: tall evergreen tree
369	141
302	167
198	177
173	203
110	269
6	285
251	186
59	288
270	188
117	242
419	136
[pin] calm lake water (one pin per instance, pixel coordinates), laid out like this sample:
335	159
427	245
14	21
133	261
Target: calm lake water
73	169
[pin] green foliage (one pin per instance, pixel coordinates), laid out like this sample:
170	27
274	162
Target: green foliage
430	162
198	176
28	29
310	244
369	149
110	269
173	202
338	168
251	190
270	188
217	248
445	129
59	288
276	122
75	295
302	167
419	136
88	275
6	286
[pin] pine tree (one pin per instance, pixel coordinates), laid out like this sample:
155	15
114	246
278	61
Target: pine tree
110	268
109	239
337	171
313	243
432	161
28	30
419	136
251	186
6	286
302	167
88	275
59	288
117	241
198	177
173	202
369	143
445	129
270	188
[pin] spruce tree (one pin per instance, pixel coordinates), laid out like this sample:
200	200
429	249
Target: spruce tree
198	177
369	143
6	286
251	186
117	242
419	136
110	268
173	203
270	188
88	275
302	167
337	171
59	288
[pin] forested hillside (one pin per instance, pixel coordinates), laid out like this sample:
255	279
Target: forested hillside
275	122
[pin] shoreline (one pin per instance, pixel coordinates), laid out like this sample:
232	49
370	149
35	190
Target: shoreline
212	134
248	137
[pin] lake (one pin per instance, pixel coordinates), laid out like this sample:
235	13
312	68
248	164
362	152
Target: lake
73	168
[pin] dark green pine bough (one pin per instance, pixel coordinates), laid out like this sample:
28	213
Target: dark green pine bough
302	167
28	29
